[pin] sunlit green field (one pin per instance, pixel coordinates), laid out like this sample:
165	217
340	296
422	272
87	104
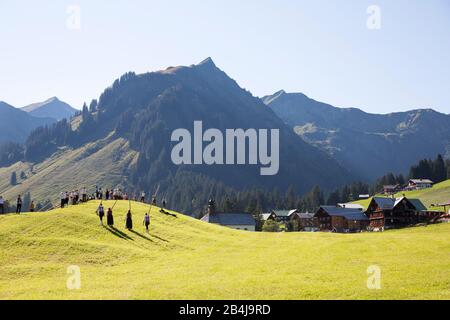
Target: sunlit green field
183	258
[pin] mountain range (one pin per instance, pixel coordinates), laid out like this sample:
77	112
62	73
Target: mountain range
369	145
125	140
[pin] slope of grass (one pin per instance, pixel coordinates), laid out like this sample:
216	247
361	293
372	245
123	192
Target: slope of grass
439	194
183	258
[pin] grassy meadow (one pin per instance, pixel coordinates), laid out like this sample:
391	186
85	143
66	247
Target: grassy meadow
183	258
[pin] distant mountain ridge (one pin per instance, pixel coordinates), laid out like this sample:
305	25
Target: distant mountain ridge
16	124
367	144
51	108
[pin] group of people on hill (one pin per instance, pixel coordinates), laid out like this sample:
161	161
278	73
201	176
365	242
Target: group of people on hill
19	204
128	218
74	197
117	194
78	196
81	195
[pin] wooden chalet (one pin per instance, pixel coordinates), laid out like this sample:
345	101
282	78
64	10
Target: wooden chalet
305	221
396	213
338	219
419	184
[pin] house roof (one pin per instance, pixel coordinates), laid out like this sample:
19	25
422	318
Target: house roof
385	203
351	206
282	213
266	216
418	204
391	186
347	213
304	215
419	181
227	219
390	203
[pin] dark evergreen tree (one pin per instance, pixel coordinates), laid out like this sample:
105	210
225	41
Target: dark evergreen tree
439	170
334	198
13	179
10	153
93	106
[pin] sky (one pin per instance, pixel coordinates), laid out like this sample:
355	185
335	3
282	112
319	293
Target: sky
391	57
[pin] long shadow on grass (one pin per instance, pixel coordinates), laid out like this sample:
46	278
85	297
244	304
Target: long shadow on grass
118	233
159	238
141	235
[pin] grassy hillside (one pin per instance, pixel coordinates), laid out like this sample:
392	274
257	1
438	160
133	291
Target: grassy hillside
439	194
183	258
99	163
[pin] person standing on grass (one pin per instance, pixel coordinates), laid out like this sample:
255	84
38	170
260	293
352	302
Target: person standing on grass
62	197
84	194
143	197
32	206
2	205
146	221
101	213
19	205
109	218
129	221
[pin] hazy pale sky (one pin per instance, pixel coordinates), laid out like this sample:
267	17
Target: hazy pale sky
321	48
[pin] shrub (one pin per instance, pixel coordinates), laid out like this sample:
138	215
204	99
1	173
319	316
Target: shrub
271	226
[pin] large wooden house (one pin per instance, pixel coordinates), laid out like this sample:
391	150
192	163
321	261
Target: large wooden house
338	219
396	213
